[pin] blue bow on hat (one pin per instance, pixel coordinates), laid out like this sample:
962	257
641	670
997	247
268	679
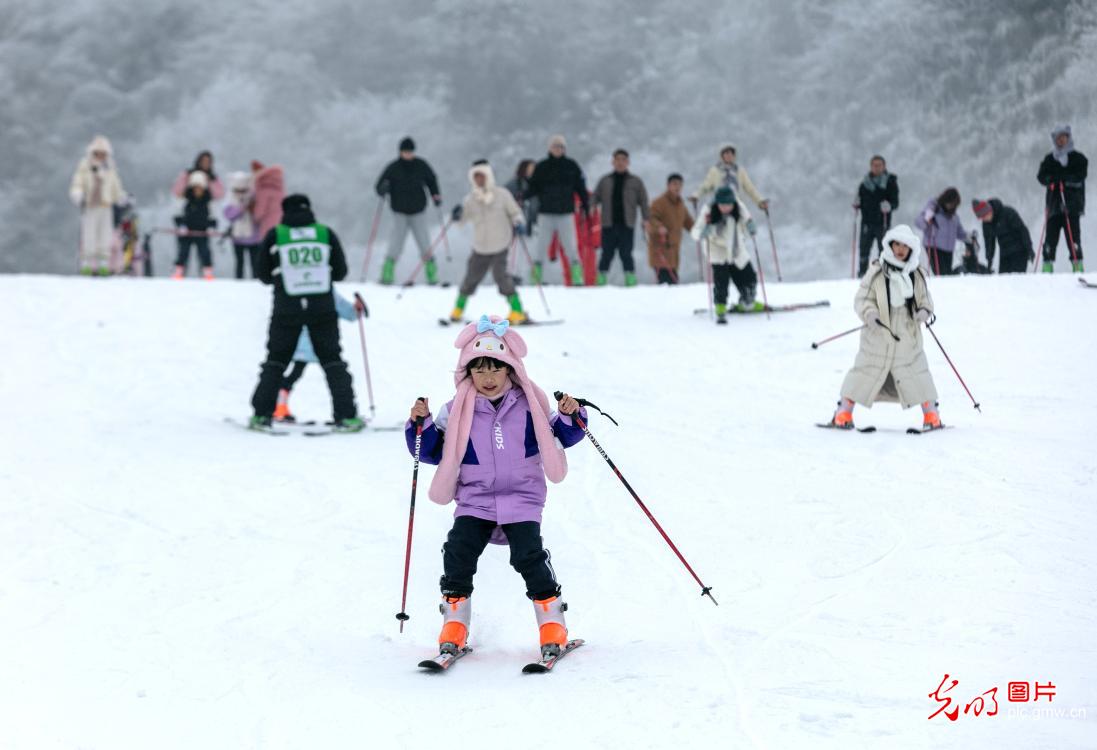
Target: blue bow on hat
485	325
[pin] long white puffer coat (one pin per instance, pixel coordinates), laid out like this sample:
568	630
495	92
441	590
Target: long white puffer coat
886	369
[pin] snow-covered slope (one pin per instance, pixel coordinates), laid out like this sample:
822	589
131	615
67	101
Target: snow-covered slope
169	581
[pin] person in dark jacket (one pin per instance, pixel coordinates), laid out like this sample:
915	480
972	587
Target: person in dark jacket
519	188
194	226
301	258
877	197
620	194
1002	225
555	182
407	181
1063	172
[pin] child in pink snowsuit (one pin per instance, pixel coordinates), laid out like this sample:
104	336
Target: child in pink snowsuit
494	445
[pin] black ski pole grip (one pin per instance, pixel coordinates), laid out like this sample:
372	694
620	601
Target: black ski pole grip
362	302
418	420
882	325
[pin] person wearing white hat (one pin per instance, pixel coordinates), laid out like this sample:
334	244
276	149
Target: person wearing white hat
96	188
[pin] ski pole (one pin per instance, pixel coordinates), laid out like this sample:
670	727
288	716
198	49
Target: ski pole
363	312
372	237
1066	220
705	590
707	267
817	344
773	243
761	277
666	263
853	248
402	615
933	248
445	238
949	360
540	288
1043	233
424	260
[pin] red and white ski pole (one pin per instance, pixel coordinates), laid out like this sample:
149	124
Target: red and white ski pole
761	277
363	312
402	615
853	248
1043	234
425	259
445	239
705	590
372	237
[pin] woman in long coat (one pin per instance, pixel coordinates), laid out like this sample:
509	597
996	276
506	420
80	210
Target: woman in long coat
894	302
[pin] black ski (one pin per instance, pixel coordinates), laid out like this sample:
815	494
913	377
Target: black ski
1086	284
916	431
260	430
443	661
832	426
545	665
771	308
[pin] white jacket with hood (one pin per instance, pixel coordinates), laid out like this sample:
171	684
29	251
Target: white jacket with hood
728	242
492	211
82	189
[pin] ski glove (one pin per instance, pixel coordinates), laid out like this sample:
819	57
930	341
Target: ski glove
457	212
885	207
856	204
922	316
751	227
928	216
437	200
872	318
383	189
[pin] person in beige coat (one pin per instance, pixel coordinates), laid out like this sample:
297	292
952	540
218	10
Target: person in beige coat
96	189
494	215
727	172
894	302
724	226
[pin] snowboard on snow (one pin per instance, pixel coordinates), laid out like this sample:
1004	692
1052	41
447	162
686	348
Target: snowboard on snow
771	308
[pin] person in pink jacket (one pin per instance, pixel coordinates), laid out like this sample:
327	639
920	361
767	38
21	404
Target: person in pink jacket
269	185
494	444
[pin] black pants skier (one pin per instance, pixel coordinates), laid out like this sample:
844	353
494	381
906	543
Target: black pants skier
617	240
745	280
1015	263
293	374
199	243
245	251
466	542
940	261
286	324
870	233
1055	226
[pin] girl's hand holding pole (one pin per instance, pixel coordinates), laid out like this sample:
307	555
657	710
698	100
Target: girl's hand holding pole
567	405
421	410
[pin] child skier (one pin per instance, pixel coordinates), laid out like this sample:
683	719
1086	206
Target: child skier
194	226
495	217
300	258
243	228
494	445
304	354
893	299
725	225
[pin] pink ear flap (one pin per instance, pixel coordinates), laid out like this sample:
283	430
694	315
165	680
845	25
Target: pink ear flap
467	334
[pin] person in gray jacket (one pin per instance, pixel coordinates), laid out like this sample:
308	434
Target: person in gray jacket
620	194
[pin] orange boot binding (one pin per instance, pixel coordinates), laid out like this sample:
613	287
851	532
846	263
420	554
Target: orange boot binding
456	615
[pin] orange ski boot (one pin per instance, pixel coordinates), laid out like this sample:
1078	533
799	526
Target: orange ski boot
456	615
550	621
931	420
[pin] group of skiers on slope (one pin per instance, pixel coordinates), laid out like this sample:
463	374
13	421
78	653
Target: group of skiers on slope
1062	172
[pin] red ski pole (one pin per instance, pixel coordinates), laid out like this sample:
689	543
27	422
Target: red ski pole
424	260
1066	220
705	590
817	344
402	615
773	244
445	238
363	312
372	237
706	267
949	360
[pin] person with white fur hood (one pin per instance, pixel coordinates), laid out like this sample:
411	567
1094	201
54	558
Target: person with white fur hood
495	216
96	188
894	302
725	225
243	227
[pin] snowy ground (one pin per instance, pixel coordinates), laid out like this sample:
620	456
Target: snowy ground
169	581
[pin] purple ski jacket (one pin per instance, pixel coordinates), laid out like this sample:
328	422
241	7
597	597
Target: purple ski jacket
944	232
502	478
